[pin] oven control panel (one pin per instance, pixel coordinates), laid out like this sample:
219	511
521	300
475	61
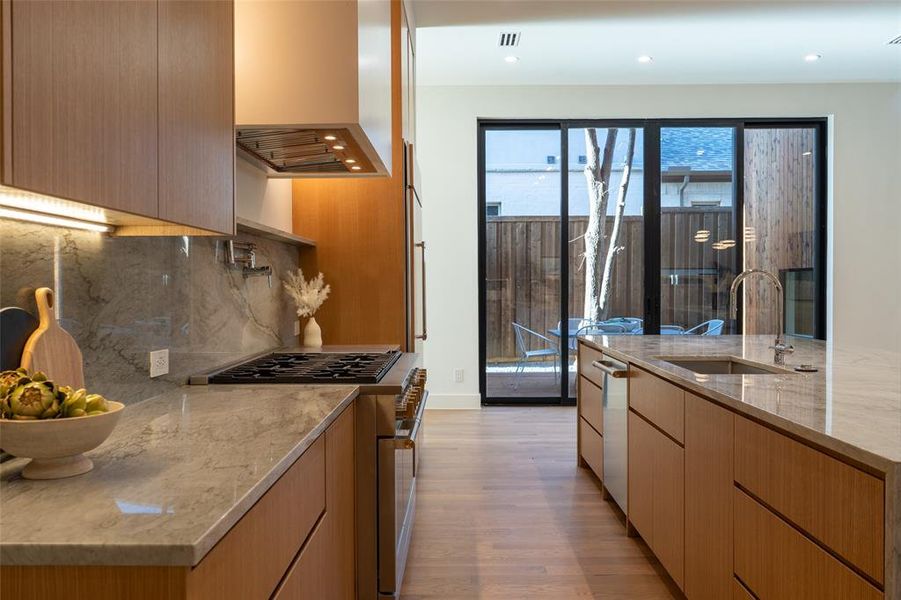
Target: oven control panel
413	395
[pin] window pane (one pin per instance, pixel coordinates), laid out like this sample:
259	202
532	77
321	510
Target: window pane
697	243
779	219
605	270
522	263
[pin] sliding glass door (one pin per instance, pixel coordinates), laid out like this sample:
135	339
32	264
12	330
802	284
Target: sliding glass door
605	234
521	230
639	227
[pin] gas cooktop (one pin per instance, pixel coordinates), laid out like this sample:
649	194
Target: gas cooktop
323	367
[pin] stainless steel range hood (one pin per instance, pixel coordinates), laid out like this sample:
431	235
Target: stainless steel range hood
313	86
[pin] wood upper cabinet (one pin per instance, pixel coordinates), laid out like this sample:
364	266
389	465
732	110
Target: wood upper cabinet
708	499
408	72
196	120
128	106
80	101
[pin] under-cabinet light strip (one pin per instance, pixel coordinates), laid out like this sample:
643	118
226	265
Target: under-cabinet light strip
36	217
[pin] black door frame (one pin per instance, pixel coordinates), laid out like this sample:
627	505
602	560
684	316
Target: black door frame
651	213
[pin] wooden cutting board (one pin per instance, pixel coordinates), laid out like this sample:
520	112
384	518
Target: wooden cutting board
51	349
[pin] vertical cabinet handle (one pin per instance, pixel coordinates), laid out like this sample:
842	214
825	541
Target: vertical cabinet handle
425	331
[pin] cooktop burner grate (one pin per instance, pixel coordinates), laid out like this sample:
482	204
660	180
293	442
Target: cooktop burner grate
325	367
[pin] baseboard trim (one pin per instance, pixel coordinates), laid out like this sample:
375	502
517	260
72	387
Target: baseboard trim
453	401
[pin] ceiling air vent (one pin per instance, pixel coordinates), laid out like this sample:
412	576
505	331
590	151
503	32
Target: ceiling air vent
508	39
895	42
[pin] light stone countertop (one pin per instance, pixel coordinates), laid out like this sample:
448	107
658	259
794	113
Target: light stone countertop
177	473
852	405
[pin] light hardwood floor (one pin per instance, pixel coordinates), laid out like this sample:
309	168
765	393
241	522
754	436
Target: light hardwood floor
504	512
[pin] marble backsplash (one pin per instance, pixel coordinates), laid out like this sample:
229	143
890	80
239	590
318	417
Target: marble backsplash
121	298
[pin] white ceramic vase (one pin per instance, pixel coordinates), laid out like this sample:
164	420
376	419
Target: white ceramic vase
312	334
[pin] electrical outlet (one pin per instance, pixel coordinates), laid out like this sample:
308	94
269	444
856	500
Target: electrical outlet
458	375
159	362
297	327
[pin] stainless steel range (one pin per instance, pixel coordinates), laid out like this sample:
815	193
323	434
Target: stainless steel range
300	367
389	434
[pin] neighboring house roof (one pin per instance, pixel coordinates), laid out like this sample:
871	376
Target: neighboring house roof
696	148
699	148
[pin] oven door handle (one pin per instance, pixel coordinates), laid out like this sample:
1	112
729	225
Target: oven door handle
408	441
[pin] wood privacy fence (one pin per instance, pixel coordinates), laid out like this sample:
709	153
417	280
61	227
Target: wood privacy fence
523	272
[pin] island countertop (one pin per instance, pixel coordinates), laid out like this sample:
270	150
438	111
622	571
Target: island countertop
176	474
851	405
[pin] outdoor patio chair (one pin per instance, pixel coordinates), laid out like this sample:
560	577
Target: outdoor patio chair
525	354
601	329
711	327
573	325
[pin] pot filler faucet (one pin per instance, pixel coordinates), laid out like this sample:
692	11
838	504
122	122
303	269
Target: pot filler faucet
780	347
247	261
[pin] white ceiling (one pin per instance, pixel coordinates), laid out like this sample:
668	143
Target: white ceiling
598	42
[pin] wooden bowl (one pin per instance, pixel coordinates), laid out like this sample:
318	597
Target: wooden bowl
56	446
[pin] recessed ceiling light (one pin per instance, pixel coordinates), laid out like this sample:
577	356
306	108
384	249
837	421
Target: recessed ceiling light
356	167
337	147
330	138
350	161
808	153
645	59
511	59
813	57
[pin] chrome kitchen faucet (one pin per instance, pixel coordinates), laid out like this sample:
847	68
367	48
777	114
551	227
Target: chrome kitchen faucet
780	347
247	262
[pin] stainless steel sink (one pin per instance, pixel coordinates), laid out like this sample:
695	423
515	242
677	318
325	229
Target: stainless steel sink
723	365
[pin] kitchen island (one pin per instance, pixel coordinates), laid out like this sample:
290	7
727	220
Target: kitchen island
185	480
748	483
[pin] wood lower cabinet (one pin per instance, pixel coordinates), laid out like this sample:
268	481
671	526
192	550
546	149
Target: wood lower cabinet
297	542
735	508
591	399
657	494
708	499
324	568
777	562
836	503
591	448
659	401
641	476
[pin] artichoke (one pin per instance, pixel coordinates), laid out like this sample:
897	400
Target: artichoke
73	403
9	380
95	404
35	399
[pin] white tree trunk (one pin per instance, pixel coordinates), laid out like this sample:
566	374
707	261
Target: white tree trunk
613	247
597	176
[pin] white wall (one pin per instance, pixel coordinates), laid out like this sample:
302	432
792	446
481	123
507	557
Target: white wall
260	199
864	267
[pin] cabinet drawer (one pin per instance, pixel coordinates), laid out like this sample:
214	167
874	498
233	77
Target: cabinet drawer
592	449
777	562
274	529
641	476
837	504
659	401
591	404
588	355
306	579
668	541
